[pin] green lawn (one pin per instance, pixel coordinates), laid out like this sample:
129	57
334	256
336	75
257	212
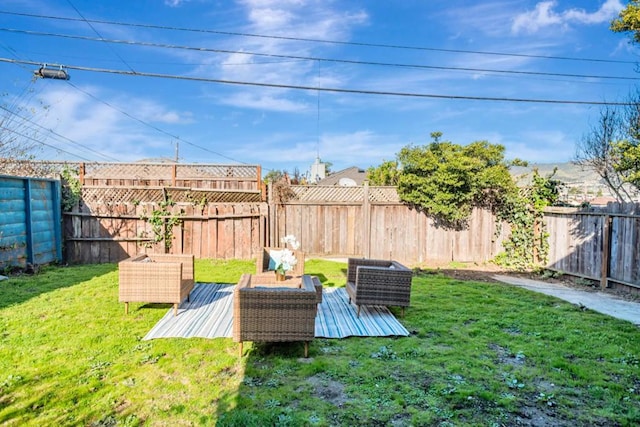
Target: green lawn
478	354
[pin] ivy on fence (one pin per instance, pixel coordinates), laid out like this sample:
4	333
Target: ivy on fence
162	221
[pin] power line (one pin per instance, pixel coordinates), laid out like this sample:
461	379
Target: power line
45	144
150	125
338	42
14	114
18	62
99	35
58	135
311	58
324	89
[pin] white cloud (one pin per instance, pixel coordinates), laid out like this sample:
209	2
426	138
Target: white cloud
175	3
362	148
471	21
297	19
302	18
264	102
150	111
270	19
95	129
545	15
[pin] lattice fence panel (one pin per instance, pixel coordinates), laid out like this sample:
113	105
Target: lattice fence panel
165	170
383	194
93	196
35	169
127	171
328	193
315	193
219	171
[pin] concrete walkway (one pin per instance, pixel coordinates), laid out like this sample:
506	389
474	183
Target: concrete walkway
596	301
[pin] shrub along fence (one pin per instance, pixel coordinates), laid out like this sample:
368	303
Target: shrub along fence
372	222
30	231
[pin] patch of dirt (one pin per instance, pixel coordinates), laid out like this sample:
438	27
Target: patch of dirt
535	416
328	390
505	356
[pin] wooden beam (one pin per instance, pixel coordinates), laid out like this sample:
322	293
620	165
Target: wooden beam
366	221
606	251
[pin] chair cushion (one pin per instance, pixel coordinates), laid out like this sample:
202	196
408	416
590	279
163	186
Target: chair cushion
274	259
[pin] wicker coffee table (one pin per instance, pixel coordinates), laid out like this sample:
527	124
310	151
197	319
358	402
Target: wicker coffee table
270	311
268	279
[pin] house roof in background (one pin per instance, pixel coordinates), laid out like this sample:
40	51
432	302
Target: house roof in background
349	176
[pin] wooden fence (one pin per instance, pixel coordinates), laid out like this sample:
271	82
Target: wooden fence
332	221
218	208
193	176
224	215
601	245
115	232
372	222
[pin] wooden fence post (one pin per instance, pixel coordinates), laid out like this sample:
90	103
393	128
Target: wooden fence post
81	173
366	223
259	184
606	251
272	215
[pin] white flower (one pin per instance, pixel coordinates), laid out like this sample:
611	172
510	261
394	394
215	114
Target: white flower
291	241
287	261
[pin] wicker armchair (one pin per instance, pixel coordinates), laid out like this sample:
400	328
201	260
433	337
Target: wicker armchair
265	263
378	282
274	314
155	278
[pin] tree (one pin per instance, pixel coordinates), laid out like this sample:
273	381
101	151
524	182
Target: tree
627	149
628	20
274	175
385	174
599	150
447	180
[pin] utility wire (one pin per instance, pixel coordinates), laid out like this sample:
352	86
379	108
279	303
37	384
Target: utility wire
46	145
26	119
100	35
310	58
324	89
150	125
338	42
13	114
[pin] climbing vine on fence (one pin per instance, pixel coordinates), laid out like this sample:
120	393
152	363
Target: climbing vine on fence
71	188
162	221
527	247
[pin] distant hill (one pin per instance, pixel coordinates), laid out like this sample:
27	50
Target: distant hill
580	185
567	172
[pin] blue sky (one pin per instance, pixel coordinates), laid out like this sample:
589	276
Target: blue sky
446	49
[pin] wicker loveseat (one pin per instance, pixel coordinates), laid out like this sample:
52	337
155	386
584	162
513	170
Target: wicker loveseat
273	313
155	278
378	282
266	262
